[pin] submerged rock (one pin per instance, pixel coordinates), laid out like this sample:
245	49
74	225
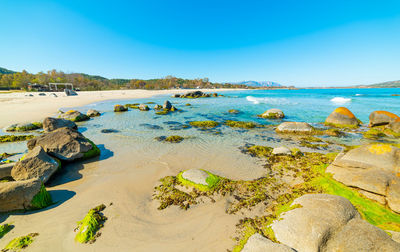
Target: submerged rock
18	195
65	144
342	117
233	111
109	131
74	116
144	107
373	169
295	127
50	124
377	118
258	243
321	222
273	114
120	108
92	113
35	164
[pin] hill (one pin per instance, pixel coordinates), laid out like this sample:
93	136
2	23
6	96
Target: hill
258	83
387	84
6	71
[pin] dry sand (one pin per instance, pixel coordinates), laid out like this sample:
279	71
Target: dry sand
126	177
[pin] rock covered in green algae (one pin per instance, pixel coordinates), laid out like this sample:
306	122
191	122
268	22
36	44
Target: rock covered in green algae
20	243
21	127
120	108
144	107
327	221
342	117
241	124
36	164
295	127
201	179
273	113
15	138
281	151
233	111
92	113
204	124
74	116
65	144
90	225
174	139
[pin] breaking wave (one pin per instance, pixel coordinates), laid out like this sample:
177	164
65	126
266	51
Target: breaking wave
340	100
268	100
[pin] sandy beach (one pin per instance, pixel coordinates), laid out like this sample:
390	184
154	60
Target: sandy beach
17	107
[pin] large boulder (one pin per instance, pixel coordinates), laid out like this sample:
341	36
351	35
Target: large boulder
92	113
74	116
35	164
194	94
295	127
342	117
273	114
120	108
50	124
65	144
197	176
258	243
18	195
382	117
395	127
373	169
322	222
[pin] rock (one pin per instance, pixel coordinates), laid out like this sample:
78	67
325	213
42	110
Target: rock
143	107
167	105
120	108
18	195
24	127
74	116
50	124
194	94
281	151
377	118
273	114
395	127
109	131
176	96
307	227
173	108
5	170
42	94
65	144
294	127
342	117
195	175
70	92
53	95
258	243
92	113
372	168
215	95
157	107
358	235
233	111
35	164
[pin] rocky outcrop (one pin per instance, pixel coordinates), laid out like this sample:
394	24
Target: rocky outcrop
377	118
167	105
50	124
65	144
120	108
273	114
342	117
258	243
144	107
74	116
374	170
35	164
322	222
294	127
18	195
92	113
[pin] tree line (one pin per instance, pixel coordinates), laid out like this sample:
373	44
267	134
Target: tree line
85	82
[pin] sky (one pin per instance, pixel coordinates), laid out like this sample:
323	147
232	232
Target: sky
292	42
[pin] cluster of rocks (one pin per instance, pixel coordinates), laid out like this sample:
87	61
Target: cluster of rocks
60	142
195	94
322	222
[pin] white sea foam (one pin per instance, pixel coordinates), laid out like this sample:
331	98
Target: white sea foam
340	100
359	94
268	100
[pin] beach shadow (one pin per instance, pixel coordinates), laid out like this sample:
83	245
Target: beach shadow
104	153
58	196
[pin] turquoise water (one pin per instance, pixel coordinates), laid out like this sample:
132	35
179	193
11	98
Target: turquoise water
138	128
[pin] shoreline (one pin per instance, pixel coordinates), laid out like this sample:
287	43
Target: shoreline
18	108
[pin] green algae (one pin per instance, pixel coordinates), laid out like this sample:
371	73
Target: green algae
42	199
174	139
241	124
93	152
90	225
233	111
4	229
259	151
204	124
188	104
20	243
212	180
343	126
163	112
15	138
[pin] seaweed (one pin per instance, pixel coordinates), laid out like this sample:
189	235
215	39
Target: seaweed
174	139
20	243
42	199
90	225
93	152
240	124
15	138
4	229
204	124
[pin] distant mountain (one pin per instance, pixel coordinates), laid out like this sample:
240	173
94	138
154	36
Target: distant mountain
5	71
258	83
388	84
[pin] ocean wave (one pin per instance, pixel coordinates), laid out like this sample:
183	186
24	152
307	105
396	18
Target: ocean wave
359	94
268	100
340	100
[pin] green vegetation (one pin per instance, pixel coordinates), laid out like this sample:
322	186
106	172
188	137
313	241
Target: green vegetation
15	138
188	104
311	145
259	151
380	131
204	124
42	199
132	105
174	139
163	112
240	124
4	229
26	127
93	152
233	111
341	126
20	243
212	180
90	225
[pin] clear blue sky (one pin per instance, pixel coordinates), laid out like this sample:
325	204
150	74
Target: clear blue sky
303	43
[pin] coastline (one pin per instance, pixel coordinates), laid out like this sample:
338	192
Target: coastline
18	108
